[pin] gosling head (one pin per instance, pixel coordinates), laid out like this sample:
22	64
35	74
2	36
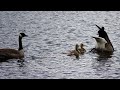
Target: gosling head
82	45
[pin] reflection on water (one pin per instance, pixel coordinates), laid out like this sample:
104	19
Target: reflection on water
104	56
50	34
21	63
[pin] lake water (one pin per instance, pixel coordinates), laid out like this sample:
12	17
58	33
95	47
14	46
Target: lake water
50	34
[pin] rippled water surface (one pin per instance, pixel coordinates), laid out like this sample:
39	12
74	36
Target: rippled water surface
50	34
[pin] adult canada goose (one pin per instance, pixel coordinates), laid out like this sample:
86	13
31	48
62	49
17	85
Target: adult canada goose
7	53
75	52
102	33
101	48
82	49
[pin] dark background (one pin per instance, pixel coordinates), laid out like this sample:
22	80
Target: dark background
33	5
106	5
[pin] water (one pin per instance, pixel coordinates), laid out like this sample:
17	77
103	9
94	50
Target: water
50	34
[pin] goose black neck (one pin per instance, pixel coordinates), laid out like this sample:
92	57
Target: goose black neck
20	43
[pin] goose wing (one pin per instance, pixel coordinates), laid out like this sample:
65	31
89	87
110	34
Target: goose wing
9	53
5	51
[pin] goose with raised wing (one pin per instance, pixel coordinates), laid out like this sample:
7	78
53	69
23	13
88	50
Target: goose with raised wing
102	33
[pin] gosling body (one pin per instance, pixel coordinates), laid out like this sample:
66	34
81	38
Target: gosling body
82	49
75	52
78	51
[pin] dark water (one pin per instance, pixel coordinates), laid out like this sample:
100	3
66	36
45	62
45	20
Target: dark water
50	34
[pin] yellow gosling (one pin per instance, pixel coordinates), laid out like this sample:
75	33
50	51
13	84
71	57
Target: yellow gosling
82	49
75	52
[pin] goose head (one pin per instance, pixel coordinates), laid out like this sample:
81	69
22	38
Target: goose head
22	35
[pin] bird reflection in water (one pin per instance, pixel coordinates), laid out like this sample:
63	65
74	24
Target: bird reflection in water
104	56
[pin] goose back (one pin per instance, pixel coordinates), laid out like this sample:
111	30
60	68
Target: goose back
10	54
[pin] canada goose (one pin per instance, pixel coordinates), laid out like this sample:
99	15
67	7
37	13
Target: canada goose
102	33
82	49
100	43
75	52
7	53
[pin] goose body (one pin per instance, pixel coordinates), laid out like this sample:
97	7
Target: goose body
11	53
7	53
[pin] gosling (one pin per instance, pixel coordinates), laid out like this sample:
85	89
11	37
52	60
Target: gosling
82	49
75	52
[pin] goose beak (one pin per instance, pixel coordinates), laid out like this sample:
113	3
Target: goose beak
26	35
93	37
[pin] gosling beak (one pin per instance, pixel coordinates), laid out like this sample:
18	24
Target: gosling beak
85	45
